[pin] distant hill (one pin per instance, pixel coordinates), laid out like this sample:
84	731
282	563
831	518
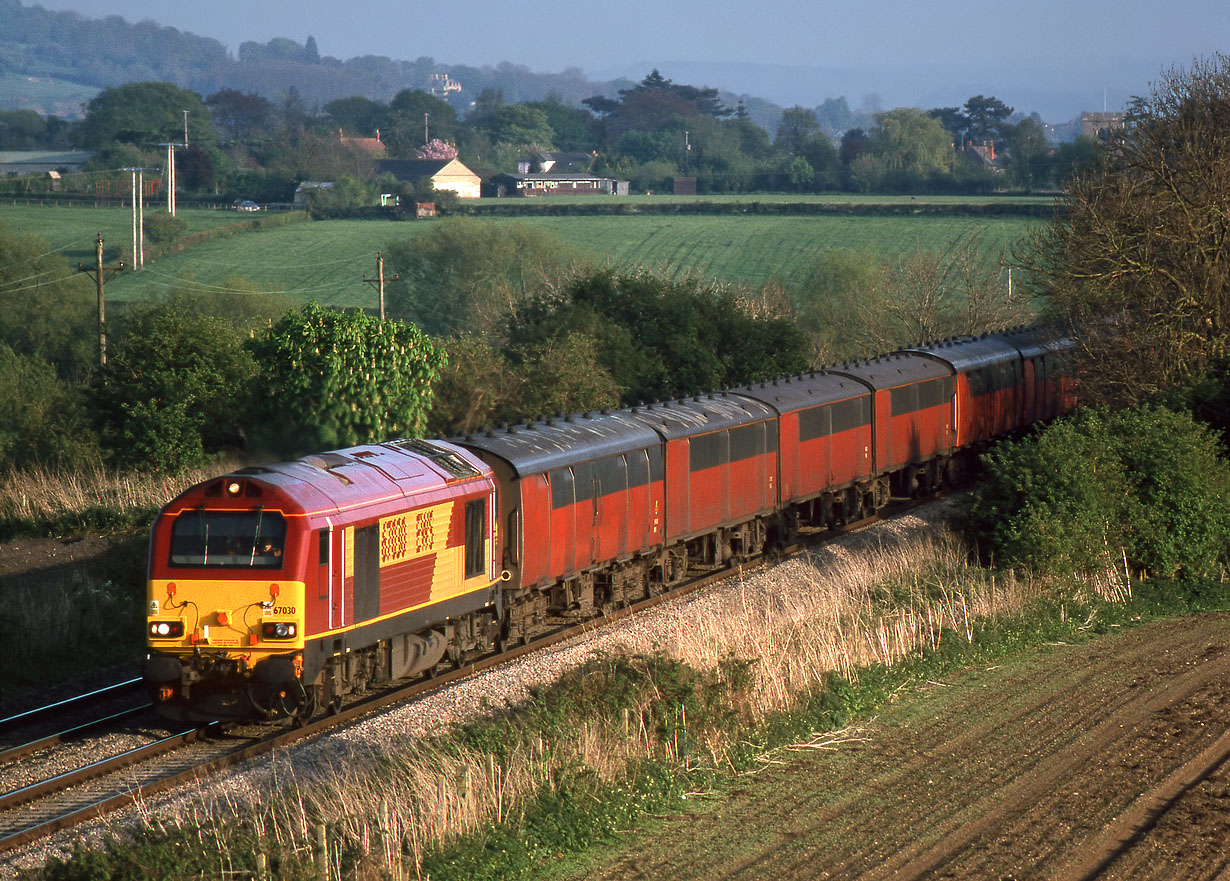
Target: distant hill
55	61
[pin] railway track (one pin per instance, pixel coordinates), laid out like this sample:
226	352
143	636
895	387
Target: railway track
40	728
64	800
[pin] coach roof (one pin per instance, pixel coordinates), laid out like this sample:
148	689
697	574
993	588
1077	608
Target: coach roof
535	447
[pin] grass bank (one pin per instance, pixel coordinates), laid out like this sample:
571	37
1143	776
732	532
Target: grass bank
91	592
811	646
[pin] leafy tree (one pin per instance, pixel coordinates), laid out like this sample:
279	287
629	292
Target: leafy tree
518	125
834	116
953	119
476	387
334	379
145	114
356	115
797	128
1027	149
857	305
986	118
854	143
907	148
660	339
42	417
240	115
572	127
1137	261
406	124
174	388
46	311
469	275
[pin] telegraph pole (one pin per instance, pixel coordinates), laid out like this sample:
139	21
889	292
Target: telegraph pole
100	274
138	216
378	281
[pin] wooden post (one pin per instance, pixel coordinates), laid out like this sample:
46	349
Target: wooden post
322	852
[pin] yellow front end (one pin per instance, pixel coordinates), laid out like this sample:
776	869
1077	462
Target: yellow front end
225	649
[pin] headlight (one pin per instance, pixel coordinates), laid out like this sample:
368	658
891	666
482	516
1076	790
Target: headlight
278	630
166	629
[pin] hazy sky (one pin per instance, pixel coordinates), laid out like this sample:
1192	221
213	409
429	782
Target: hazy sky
904	51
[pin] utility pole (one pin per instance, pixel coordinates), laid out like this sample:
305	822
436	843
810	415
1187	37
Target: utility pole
100	274
138	216
378	281
426	136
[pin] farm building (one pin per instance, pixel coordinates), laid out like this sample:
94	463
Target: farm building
305	191
542	162
444	174
38	161
557	185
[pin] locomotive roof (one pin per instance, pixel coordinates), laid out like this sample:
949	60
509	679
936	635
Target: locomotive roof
552	443
970	353
806	390
701	414
343	479
891	371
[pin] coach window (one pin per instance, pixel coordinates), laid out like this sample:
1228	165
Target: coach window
476	537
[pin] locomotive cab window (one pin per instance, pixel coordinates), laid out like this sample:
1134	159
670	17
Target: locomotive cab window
476	537
228	539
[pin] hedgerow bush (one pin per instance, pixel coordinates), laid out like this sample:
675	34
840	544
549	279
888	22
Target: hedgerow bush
1144	489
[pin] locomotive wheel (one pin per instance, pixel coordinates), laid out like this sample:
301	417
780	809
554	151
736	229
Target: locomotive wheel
334	706
306	710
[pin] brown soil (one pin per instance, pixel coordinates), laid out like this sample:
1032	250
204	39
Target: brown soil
24	555
1100	760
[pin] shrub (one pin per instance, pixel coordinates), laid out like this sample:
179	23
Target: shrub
1143	488
162	229
42	419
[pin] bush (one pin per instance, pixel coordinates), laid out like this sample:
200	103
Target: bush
42	419
1144	487
175	387
162	229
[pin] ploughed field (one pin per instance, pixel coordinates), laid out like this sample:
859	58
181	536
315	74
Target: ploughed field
1099	760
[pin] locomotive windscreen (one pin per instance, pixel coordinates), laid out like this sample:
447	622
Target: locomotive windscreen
236	539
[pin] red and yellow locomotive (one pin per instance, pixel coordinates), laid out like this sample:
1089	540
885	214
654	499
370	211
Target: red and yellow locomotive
278	589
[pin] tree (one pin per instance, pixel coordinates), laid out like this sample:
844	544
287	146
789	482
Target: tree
356	115
415	114
240	115
857	305
797	128
1027	149
334	379
907	148
464	275
42	417
518	125
987	118
145	114
175	387
1136	263
656	338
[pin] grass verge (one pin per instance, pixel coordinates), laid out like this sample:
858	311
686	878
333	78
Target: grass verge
811	646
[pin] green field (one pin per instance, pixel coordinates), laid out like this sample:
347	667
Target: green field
327	260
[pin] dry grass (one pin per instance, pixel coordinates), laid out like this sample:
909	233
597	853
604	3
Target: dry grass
838	610
41	495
